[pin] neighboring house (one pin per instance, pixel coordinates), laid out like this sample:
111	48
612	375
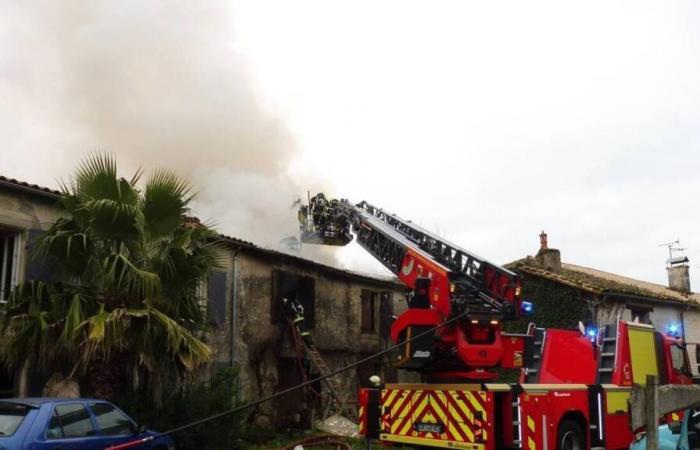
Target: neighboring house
25	211
564	294
348	313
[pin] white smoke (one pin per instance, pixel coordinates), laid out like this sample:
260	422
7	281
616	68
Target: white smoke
158	84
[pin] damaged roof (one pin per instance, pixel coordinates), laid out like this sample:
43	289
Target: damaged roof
299	261
23	186
287	258
600	282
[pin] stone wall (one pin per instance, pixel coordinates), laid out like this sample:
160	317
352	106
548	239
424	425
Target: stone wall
263	349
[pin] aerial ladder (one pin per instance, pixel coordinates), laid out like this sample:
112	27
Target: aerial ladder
445	281
574	386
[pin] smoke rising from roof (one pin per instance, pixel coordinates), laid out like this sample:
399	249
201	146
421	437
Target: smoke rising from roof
158	84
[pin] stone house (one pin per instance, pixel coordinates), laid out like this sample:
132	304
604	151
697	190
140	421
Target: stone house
348	313
564	294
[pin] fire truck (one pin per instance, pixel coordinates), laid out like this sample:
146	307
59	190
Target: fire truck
574	385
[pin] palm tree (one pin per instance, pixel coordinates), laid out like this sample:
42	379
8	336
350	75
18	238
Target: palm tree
125	308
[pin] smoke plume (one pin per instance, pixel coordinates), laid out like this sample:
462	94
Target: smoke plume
158	84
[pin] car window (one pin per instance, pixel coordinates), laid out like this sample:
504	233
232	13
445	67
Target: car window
110	420
70	420
11	415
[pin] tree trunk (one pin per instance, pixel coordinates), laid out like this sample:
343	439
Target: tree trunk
105	378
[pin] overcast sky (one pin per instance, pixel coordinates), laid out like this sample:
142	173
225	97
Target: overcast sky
485	121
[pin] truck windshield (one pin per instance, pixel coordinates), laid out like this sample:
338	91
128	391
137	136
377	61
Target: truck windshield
678	358
11	416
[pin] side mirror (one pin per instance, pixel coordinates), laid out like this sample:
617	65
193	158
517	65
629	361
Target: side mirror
141	429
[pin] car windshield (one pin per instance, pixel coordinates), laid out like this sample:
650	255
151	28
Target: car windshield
11	415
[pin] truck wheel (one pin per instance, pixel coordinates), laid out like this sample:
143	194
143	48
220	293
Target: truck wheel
570	436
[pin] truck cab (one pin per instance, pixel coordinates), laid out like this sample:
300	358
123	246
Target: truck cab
573	392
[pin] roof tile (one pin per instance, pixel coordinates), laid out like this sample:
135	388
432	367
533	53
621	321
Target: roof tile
601	282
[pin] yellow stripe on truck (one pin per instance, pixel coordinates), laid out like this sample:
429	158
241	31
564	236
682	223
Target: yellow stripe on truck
531	443
642	353
431	442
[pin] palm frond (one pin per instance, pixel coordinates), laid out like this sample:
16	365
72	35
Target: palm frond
165	202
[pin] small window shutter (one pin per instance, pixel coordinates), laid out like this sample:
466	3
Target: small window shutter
216	295
366	313
37	269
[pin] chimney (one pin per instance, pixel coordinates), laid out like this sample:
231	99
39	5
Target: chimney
549	258
543	241
679	274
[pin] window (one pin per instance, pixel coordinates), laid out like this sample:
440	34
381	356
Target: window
368	322
70	420
294	287
111	421
386	314
11	415
678	358
216	298
641	313
9	263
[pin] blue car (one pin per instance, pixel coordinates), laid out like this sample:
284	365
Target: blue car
70	424
681	435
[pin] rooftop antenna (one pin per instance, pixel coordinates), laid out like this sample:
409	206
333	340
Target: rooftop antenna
674	246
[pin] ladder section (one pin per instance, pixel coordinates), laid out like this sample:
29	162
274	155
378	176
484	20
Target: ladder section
337	401
607	355
517	422
333	387
500	283
532	372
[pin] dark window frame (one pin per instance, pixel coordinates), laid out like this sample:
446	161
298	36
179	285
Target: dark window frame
217	297
368	311
297	287
10	264
643	312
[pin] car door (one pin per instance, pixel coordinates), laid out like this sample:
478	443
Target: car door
113	426
71	428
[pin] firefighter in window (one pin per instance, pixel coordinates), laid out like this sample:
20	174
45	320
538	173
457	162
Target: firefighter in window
295	312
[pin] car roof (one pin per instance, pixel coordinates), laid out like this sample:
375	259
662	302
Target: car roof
35	402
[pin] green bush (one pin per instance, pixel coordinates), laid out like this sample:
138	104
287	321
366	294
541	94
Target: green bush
555	306
191	404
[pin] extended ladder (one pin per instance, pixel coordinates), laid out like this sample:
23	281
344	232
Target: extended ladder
337	400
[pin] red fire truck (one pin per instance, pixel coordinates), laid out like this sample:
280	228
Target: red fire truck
574	385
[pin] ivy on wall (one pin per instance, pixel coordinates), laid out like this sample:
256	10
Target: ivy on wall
555	306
